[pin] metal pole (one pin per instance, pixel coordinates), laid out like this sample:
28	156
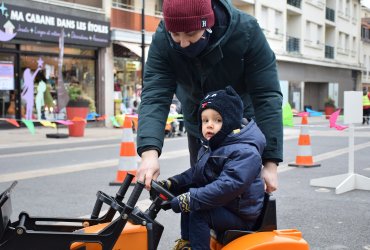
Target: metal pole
142	42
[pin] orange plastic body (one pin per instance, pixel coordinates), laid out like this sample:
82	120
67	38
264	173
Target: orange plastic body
132	237
285	239
135	237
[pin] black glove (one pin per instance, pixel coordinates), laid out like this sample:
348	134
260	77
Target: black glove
181	203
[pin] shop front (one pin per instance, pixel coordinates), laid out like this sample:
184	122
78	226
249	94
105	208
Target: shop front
32	68
127	80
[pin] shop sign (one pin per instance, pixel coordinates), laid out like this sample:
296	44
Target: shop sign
33	24
130	66
6	76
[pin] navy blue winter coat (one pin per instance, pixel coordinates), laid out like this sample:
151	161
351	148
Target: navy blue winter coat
228	176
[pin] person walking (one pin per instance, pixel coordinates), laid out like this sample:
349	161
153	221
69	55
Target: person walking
203	46
366	106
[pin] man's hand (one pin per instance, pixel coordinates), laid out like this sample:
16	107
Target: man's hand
269	174
149	168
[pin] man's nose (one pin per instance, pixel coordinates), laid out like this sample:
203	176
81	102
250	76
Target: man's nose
184	43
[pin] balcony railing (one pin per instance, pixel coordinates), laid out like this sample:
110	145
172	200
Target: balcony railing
330	14
329	52
295	3
292	44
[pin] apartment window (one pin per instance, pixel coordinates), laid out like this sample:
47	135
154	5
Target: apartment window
313	33
264	18
363	32
348	7
346	42
308	31
343	43
158	7
92	3
278	22
354	45
340	8
340	40
124	4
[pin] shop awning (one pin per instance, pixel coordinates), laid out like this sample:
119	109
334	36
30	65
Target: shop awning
134	47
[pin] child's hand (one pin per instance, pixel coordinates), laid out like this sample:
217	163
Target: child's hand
166	184
181	203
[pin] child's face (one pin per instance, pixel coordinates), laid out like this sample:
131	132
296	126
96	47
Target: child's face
211	123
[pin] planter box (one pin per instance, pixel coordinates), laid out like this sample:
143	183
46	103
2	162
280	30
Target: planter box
77	109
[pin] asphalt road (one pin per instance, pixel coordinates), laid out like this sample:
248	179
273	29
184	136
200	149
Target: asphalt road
61	180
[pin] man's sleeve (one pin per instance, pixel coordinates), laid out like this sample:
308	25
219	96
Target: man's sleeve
159	87
264	88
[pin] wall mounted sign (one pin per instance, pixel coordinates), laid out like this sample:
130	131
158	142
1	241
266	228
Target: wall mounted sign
31	24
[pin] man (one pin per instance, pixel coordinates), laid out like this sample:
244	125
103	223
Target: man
203	46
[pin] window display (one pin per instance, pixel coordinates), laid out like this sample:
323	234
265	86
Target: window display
76	71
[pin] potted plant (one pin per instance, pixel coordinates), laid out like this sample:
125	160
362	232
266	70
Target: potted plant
78	107
329	107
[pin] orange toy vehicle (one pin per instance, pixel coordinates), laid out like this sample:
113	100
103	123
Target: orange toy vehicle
133	229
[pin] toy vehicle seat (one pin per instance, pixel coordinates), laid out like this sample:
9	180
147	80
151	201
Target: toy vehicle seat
265	222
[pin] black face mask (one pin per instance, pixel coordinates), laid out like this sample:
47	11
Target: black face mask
194	49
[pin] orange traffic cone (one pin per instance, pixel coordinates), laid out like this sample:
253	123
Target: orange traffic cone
304	157
127	161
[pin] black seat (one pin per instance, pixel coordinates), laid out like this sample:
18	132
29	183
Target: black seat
265	222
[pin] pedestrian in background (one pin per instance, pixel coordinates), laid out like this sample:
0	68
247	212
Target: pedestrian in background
203	46
366	106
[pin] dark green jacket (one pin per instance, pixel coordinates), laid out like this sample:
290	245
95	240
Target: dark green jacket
238	56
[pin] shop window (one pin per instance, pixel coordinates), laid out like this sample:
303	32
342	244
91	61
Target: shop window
7	46
7	86
127	84
75	70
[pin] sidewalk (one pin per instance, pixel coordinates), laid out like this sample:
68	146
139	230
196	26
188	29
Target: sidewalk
18	137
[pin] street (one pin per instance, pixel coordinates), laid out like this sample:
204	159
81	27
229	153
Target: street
61	178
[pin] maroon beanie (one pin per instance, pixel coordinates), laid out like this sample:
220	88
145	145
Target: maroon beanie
187	15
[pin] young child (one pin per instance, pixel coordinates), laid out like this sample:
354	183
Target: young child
224	190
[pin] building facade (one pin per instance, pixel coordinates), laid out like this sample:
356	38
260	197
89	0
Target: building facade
316	43
365	47
30	33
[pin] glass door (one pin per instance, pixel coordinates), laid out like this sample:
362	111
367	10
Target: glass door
7	86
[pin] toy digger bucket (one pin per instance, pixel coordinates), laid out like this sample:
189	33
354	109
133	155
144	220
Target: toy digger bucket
5	209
